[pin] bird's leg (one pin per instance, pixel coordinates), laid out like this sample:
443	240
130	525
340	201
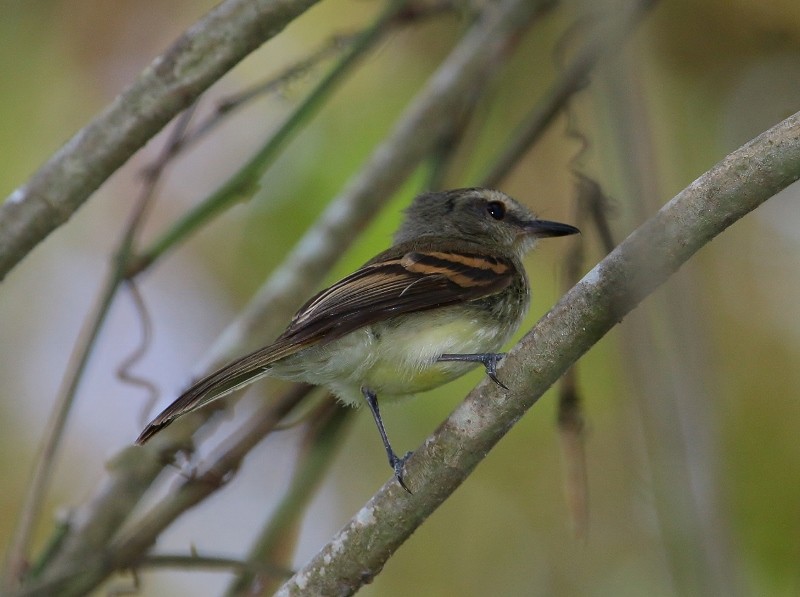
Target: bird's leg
394	461
488	359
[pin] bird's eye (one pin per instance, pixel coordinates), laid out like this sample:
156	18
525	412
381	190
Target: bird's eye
496	209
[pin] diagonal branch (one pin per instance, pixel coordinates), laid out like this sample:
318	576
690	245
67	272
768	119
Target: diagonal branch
171	83
731	189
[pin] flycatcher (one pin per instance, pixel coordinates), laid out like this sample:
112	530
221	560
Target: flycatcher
444	298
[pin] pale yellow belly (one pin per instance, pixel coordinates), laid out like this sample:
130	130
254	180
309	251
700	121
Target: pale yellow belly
397	358
404	361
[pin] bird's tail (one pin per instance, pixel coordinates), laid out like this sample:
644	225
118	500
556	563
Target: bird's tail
222	382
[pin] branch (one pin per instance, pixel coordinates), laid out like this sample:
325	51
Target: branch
169	84
727	192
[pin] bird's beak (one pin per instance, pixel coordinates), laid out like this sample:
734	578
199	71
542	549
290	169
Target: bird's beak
545	229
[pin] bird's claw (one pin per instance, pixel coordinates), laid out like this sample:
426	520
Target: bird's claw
398	465
490	363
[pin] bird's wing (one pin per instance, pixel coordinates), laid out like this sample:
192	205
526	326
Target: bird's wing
414	281
391	284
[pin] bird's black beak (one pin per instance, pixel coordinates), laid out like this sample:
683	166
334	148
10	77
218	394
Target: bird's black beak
545	229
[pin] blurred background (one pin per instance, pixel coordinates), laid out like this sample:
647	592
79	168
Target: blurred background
692	405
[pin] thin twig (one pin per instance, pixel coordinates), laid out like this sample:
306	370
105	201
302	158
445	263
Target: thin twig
570	418
590	205
230	104
410	13
125	369
609	34
211	562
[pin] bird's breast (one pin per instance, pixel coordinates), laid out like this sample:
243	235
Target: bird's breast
405	349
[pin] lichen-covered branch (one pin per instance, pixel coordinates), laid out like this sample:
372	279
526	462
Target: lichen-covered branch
727	192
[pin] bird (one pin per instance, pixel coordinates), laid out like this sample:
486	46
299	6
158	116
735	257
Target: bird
442	300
